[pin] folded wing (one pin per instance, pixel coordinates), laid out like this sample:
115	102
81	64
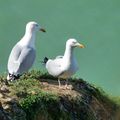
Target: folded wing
21	59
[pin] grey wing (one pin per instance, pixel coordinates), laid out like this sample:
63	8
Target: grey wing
54	67
26	60
14	55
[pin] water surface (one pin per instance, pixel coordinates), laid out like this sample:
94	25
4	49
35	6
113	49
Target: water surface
95	23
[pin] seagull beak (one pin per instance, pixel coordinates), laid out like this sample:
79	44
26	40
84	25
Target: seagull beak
41	29
80	45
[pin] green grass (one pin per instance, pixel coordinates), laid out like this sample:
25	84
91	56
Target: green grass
39	104
47	105
53	107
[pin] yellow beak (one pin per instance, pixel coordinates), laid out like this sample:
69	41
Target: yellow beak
43	30
80	45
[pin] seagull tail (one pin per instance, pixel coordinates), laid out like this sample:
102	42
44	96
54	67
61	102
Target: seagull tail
45	60
12	77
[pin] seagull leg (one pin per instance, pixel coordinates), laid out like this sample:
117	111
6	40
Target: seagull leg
66	84
69	87
59	83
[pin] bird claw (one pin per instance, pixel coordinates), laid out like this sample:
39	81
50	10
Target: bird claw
66	87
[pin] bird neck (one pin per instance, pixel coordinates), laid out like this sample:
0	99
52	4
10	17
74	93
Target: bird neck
28	39
68	53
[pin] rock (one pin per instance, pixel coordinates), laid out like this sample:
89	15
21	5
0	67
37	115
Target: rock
17	112
1	95
8	99
4	88
3	115
0	105
6	107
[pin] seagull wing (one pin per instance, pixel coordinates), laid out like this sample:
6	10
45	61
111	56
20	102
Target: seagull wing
60	56
23	59
54	67
14	55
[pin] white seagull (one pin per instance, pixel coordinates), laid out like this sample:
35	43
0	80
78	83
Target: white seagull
23	53
64	66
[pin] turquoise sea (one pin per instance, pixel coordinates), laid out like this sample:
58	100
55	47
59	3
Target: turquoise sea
94	23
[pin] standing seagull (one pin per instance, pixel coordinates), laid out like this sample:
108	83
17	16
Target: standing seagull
64	66
23	53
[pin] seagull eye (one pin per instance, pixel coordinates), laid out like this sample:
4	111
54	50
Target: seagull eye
36	25
74	42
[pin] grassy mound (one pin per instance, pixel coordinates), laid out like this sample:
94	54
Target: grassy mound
36	96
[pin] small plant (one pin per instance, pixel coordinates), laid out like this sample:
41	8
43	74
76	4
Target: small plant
40	103
39	97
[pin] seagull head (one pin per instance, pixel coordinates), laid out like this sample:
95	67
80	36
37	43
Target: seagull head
74	43
33	27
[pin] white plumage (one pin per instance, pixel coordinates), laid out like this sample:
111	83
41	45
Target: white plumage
64	66
23	53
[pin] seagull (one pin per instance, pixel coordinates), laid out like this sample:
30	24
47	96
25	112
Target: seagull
23	53
65	66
